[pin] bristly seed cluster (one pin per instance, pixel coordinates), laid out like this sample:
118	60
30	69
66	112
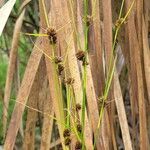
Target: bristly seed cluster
78	107
52	35
57	59
88	20
79	128
69	81
81	56
78	145
67	141
66	135
60	69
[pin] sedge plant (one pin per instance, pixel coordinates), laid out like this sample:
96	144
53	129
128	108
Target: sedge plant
112	65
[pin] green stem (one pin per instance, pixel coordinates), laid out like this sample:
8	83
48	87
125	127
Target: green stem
121	9
111	66
111	58
84	98
58	89
68	105
84	78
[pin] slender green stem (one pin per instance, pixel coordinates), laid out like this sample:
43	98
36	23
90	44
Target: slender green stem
115	37
121	9
68	105
84	97
110	79
57	88
86	38
111	66
104	100
84	78
111	58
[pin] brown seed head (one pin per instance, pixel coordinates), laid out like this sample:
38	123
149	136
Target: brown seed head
57	59
79	128
53	40
51	31
69	81
66	133
60	69
88	20
80	55
67	141
78	107
78	145
52	35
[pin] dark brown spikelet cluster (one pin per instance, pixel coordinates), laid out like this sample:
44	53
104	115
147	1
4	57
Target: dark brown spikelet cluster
78	145
69	81
78	107
67	141
88	20
79	128
60	69
57	60
52	35
66	133
80	55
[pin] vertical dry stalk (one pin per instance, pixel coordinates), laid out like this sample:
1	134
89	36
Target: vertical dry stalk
55	90
96	23
146	56
22	97
47	121
29	138
137	78
11	68
108	46
122	114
